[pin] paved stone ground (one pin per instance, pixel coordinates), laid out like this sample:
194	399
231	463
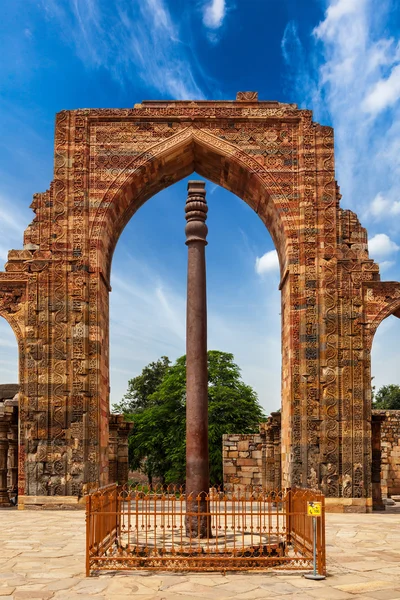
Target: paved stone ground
42	557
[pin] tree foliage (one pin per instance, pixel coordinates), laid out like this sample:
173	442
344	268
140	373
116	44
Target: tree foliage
387	397
157	443
141	388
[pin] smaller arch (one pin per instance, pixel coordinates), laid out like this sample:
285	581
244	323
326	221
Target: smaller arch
381	300
13	305
15	326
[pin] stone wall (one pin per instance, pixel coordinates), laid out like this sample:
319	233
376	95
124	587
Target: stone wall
254	458
118	455
243	459
118	458
389	451
8	442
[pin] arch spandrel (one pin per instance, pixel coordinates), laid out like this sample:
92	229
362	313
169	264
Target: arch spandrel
13	302
193	149
381	300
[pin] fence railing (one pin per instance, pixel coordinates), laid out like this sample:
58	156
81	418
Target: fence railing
300	525
250	529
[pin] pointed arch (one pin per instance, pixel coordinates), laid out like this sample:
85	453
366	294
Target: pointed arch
381	299
165	163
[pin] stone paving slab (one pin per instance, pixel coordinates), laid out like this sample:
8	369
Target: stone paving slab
42	557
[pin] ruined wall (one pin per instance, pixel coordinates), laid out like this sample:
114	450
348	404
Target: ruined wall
243	460
255	458
118	453
390	451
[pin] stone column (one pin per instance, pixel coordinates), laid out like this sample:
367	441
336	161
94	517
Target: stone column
123	452
277	452
5	419
12	458
197	470
270	465
113	449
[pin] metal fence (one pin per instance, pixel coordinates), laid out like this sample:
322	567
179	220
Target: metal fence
130	528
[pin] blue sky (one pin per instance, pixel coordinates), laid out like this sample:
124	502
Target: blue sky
341	58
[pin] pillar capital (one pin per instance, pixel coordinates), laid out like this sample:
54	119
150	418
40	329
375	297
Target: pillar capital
196	213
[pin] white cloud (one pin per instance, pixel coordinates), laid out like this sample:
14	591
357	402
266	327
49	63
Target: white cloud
351	80
382	207
384	93
137	38
386	265
381	246
214	13
267	263
147	320
356	64
334	16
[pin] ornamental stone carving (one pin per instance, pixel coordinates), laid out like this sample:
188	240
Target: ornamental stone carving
54	292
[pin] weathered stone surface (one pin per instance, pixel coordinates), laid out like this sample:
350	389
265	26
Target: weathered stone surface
259	461
263	454
387	451
118	454
54	292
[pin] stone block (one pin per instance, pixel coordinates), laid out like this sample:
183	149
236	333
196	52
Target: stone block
229	470
256	454
244	454
243	446
245	462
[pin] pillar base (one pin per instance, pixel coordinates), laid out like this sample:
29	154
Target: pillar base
51	502
348	505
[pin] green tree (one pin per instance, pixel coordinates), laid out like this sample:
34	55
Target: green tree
157	442
140	388
387	397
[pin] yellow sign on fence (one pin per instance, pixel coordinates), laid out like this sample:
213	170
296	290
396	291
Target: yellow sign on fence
314	509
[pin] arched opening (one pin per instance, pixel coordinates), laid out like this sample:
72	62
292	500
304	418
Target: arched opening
148	301
385	422
187	152
9	386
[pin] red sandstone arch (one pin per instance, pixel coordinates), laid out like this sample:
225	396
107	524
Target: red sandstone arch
15	327
392	309
170	161
381	300
13	310
108	162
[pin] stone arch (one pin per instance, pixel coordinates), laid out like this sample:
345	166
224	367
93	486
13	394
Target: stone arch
14	324
381	300
16	327
165	163
13	310
108	162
